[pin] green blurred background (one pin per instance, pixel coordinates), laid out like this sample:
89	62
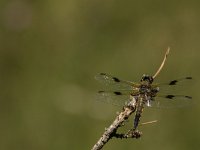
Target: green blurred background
50	52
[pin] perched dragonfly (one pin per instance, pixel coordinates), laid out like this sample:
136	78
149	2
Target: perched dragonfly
143	93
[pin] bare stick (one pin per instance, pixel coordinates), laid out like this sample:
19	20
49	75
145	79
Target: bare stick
149	122
112	129
162	64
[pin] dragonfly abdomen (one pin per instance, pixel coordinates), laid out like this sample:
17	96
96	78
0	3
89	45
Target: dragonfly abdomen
140	106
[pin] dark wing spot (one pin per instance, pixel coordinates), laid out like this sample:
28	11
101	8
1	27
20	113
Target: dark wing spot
116	79
101	91
117	93
188	77
188	97
169	96
102	74
173	82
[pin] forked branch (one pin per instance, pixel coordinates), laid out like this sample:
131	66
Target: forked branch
111	131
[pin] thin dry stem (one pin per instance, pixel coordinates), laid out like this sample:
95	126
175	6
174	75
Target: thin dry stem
162	64
149	122
111	131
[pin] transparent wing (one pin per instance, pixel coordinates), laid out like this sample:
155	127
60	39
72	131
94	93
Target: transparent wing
177	86
115	83
171	101
175	82
165	99
118	98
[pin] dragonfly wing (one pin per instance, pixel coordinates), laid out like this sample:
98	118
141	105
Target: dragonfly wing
166	100
171	101
118	98
178	86
177	81
115	83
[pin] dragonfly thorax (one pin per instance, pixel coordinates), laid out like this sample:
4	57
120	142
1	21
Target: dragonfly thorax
148	90
144	89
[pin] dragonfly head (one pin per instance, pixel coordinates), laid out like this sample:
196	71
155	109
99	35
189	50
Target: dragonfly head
147	78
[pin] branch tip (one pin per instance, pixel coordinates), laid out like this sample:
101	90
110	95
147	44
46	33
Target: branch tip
162	64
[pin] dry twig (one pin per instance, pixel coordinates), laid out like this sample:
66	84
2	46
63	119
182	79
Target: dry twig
111	131
162	64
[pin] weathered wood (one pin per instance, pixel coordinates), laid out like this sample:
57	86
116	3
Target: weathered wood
112	129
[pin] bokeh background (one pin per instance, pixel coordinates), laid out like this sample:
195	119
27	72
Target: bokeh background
50	52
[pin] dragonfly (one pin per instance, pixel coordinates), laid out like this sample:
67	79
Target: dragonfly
144	93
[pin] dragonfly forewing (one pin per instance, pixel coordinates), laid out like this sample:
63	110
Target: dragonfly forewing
115	83
178	86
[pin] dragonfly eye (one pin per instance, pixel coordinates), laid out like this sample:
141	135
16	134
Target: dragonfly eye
147	78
